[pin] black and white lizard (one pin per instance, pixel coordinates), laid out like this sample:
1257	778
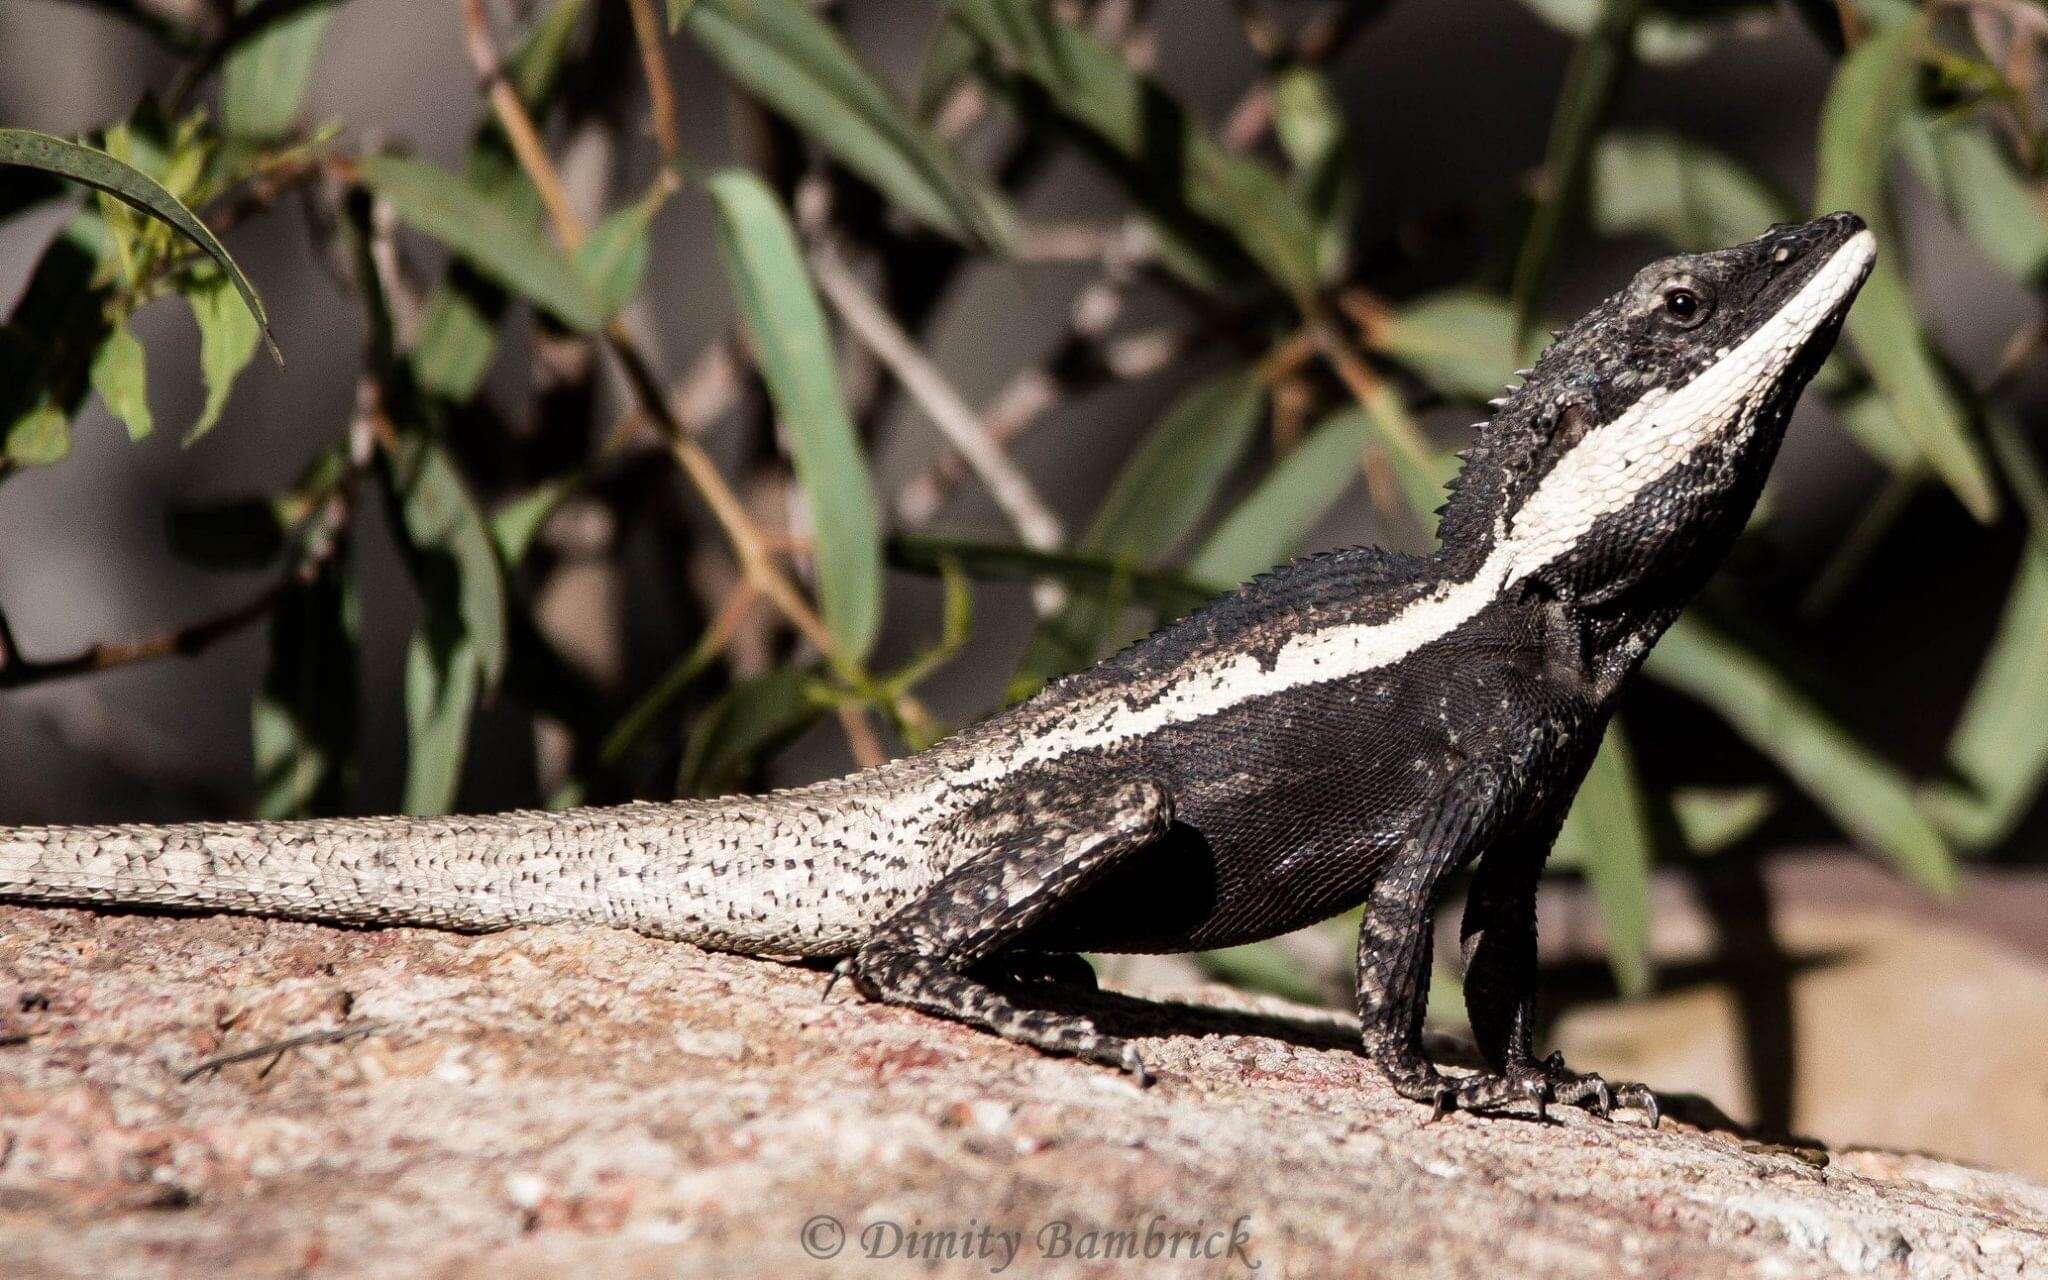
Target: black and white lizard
1352	728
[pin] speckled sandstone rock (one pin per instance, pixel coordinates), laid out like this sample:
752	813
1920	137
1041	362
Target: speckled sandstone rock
582	1102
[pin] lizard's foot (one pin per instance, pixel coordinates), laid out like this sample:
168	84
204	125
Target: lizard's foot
923	983
1415	1079
1550	1081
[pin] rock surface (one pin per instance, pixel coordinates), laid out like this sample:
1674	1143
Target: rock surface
582	1102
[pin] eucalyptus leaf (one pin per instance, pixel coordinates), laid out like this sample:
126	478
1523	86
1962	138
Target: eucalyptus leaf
450	547
125	182
787	55
1607	836
1872	90
1995	203
795	353
1681	191
120	373
478	225
264	79
1460	341
1711	819
614	257
1998	749
227	341
440	700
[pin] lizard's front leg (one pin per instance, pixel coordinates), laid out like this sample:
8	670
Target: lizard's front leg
1499	942
922	956
1394	935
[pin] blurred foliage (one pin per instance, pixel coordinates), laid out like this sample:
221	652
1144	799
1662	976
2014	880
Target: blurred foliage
1298	379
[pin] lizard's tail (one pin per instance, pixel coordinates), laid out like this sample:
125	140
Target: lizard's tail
780	874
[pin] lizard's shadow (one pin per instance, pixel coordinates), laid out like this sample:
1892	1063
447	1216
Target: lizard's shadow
1145	1017
1142	1017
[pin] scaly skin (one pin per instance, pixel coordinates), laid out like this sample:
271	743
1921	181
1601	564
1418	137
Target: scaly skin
1350	729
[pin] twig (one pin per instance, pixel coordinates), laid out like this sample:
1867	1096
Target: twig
334	1035
661	94
1363	384
518	125
105	656
949	412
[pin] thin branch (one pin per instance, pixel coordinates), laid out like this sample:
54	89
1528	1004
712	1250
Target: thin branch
518	125
661	93
184	641
944	405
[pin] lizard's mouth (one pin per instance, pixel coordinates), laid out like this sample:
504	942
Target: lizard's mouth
1817	268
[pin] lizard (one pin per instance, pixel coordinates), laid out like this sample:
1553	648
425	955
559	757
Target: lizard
1354	729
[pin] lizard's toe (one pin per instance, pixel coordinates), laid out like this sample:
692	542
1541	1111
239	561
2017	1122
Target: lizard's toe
1493	1091
1589	1090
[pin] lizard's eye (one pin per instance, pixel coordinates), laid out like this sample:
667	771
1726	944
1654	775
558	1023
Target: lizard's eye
1684	306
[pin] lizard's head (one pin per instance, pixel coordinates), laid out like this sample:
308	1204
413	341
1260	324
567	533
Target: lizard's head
1635	449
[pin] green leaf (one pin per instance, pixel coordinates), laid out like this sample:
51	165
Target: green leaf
457	336
304	719
1995	204
227	340
1868	417
638	721
440	697
751	721
614	258
784	53
1681	191
679	13
1311	130
1871	92
536	66
795	354
480	227
1866	796
1269	523
120	373
515	524
1461	342
453	555
1997	751
1171	479
1194	188
39	437
1711	819
100	171
1607	836
1163	489
264	79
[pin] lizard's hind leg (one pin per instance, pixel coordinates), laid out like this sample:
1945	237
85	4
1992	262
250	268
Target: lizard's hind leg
921	957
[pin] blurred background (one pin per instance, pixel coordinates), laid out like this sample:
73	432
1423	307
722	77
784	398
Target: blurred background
632	349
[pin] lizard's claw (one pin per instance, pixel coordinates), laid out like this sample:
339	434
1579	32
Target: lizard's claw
1550	1081
844	969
